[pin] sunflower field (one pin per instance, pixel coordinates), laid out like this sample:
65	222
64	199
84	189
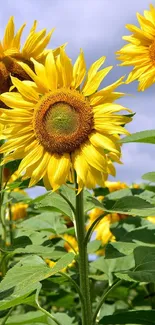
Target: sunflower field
82	252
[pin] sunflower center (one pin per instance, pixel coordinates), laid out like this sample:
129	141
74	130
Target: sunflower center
152	52
62	121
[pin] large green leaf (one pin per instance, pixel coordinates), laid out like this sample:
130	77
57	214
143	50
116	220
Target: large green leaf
144	270
93	246
43	251
109	266
149	177
130	205
53	201
119	249
50	221
119	194
147	136
25	276
31	317
140	317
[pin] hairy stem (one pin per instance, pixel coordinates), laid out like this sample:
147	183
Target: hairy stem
83	261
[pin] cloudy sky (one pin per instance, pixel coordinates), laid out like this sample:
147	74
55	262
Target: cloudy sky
97	26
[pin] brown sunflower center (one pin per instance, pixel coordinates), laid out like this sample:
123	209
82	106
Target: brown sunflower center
152	52
62	121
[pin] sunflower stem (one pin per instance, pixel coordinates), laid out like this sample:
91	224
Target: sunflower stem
83	261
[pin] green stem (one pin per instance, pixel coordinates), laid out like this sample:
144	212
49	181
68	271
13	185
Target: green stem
83	261
10	224
49	315
2	220
91	228
43	310
103	299
69	203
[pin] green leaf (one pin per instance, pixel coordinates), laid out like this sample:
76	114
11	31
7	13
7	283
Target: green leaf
119	249
64	319
141	317
51	221
109	266
31	317
130	205
19	197
93	246
147	136
149	177
53	201
24	278
119	194
43	251
144	264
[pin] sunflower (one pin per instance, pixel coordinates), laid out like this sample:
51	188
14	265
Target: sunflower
56	126
19	211
11	52
115	186
140	52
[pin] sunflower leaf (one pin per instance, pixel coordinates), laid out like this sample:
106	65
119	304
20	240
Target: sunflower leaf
147	136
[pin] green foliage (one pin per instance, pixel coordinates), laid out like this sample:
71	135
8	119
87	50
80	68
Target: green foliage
147	136
133	317
40	261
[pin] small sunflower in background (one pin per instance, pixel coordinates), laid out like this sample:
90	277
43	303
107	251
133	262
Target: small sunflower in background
19	211
140	52
115	186
11	52
57	126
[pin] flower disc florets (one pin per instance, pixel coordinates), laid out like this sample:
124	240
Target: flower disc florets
62	121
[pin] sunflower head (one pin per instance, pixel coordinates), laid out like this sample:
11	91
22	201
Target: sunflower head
19	211
11	52
59	123
140	51
115	186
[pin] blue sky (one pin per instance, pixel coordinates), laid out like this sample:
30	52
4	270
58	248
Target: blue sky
97	27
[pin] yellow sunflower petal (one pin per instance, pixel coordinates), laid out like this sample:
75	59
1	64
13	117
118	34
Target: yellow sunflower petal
103	142
108	108
51	71
66	68
31	42
33	156
94	157
101	95
15	100
58	170
16	40
110	128
9	34
40	71
92	84
39	82
28	92
39	172
94	67
38	50
79	71
80	165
